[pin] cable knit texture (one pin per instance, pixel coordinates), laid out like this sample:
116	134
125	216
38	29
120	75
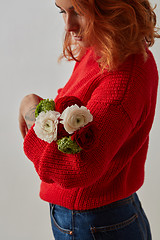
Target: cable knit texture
123	104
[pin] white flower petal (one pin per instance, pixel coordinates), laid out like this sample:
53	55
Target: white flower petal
46	126
75	117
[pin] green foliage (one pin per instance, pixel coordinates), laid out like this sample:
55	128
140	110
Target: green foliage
45	105
66	145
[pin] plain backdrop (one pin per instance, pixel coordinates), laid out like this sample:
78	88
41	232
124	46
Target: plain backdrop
31	34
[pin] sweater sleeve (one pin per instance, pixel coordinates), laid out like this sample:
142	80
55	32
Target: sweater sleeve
115	120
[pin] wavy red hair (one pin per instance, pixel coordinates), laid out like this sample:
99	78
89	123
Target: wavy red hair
115	28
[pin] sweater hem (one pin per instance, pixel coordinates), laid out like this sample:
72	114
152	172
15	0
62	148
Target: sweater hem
83	204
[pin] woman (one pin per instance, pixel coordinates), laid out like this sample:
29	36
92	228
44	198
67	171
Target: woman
92	193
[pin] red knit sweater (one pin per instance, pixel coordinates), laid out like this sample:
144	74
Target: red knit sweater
122	103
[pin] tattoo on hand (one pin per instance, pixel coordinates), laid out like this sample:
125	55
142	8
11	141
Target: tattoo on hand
30	116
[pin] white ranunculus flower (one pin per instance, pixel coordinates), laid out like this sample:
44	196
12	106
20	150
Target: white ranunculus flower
75	117
46	126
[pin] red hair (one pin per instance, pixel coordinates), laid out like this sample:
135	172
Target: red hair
115	28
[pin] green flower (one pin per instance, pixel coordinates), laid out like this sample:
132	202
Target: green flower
44	106
66	145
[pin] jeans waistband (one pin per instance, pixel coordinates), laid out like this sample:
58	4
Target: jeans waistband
120	202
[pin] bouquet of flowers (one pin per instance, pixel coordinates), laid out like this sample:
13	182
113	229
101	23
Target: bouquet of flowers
67	122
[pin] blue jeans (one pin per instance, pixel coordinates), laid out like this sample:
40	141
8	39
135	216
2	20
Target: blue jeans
121	220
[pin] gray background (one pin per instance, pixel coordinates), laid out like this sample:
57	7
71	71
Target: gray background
31	34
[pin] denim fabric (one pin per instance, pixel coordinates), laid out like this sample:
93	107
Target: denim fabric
121	220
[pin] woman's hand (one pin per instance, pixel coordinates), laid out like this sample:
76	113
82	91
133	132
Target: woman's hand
27	112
